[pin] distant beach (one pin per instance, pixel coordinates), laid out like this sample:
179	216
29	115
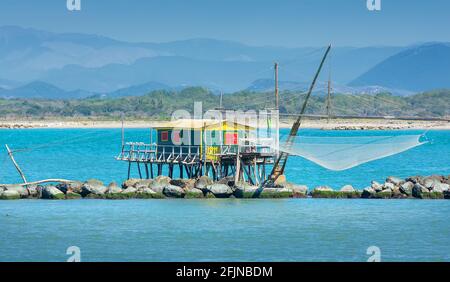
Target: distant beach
333	124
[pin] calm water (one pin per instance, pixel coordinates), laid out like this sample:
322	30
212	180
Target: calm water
248	230
89	153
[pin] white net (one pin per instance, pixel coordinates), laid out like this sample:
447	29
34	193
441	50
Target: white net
341	153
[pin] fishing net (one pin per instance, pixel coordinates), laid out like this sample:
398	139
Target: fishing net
341	153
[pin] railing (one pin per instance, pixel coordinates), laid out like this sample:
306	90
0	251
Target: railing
141	152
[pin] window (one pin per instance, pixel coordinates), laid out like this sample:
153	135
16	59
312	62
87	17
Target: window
164	136
231	138
176	136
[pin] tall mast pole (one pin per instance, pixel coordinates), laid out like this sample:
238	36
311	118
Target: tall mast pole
277	112
329	91
329	99
123	130
280	162
277	102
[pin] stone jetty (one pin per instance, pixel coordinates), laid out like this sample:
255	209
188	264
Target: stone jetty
415	187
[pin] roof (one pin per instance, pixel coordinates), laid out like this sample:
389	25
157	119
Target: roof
202	124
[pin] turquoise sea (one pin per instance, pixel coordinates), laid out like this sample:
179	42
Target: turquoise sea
229	230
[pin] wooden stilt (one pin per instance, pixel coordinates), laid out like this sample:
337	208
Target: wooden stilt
139	169
129	170
159	169
147	176
181	170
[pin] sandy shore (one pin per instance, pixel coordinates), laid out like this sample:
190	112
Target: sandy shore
339	124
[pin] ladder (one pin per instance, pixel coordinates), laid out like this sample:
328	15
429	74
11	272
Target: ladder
280	162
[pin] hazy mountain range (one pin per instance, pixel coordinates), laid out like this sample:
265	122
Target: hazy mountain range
42	64
420	68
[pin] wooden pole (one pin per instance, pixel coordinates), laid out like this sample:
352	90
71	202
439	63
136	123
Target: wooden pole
15	164
238	166
277	102
277	112
123	131
57	180
329	99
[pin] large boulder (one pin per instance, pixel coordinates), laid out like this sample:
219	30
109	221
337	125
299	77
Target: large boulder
173	191
229	180
94	182
186	184
323	189
33	191
376	186
440	187
349	192
447	194
203	182
243	189
431	181
74	186
415	179
113	188
220	190
368	193
298	191
165	180
397	193
147	193
130	190
52	193
93	187
444	187
157	187
420	191
394	180
143	183
132	182
194	193
447	180
9	195
406	188
348	189
22	190
388	186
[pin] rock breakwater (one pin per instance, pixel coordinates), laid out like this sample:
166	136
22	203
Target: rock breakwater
415	187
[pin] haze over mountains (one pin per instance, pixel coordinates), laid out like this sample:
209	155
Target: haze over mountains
418	69
41	64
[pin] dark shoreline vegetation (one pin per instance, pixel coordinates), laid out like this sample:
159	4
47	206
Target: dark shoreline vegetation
160	104
415	187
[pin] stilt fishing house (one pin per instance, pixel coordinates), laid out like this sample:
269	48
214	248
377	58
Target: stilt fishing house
189	148
219	148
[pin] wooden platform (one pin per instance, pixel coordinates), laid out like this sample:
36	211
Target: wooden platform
215	161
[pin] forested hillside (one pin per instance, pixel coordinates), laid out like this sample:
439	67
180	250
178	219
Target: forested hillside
160	104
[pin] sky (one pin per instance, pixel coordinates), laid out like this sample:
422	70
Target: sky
289	23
